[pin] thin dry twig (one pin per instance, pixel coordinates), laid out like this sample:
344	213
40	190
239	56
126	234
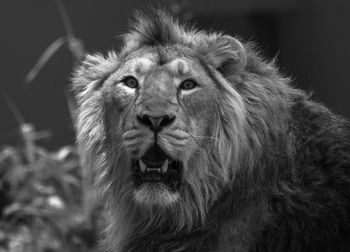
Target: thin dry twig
65	18
15	111
44	58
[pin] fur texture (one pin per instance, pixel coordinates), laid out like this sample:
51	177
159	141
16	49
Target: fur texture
264	167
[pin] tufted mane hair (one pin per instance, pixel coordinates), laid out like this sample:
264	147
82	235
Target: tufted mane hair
159	28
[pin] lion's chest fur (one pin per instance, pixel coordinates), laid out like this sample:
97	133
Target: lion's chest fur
234	224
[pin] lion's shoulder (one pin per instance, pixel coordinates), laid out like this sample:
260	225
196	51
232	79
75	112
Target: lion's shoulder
312	200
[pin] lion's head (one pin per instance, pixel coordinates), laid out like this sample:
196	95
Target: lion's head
162	125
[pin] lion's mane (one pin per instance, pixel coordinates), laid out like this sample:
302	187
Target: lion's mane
275	176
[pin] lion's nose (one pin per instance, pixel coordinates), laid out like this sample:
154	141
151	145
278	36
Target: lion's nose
156	123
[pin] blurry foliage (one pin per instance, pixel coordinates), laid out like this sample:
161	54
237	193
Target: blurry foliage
42	199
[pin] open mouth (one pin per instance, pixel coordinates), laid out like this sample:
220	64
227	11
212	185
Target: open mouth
157	167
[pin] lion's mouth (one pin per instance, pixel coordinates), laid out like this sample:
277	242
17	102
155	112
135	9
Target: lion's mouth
157	167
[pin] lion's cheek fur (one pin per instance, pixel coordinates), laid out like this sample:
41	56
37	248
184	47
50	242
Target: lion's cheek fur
200	104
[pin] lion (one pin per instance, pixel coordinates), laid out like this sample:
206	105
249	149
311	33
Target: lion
195	142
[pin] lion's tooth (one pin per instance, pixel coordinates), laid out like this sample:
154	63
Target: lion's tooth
142	165
165	166
152	169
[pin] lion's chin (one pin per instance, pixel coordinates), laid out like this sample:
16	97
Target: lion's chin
155	194
157	177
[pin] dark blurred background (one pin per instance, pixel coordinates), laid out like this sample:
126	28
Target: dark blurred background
310	37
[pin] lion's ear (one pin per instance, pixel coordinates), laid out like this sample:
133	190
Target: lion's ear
226	53
93	69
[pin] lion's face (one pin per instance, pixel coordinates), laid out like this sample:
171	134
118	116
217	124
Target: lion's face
161	125
164	106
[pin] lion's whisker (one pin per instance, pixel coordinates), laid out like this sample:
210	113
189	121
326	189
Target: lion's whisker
202	137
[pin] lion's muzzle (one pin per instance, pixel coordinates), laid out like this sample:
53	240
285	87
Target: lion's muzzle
156	122
156	167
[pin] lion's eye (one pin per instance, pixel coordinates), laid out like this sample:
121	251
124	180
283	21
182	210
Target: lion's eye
131	82
188	85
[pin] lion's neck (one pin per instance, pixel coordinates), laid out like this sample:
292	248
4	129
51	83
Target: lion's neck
167	238
154	233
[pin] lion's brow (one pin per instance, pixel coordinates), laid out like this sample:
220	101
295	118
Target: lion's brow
209	73
178	66
142	65
162	56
